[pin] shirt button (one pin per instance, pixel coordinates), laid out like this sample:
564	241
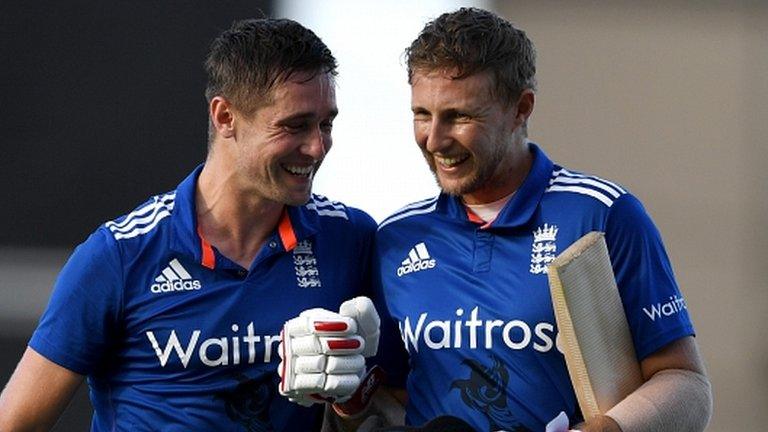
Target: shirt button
273	244
242	273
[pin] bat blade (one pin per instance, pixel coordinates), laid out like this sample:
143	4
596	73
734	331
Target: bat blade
594	332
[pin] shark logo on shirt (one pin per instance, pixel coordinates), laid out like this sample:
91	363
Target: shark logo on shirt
485	391
248	403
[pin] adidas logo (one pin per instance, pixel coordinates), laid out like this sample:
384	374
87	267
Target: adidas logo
418	259
174	278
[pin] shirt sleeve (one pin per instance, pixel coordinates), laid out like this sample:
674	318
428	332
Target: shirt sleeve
654	306
78	326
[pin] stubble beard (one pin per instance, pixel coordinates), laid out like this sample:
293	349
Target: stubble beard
271	187
482	175
291	198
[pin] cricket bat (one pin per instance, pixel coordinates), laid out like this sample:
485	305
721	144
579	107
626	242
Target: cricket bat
594	332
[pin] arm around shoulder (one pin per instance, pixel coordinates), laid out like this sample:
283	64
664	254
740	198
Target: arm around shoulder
36	394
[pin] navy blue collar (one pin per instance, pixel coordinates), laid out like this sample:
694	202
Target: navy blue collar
520	209
296	224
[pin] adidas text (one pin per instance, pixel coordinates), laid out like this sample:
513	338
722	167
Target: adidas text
418	259
174	277
414	267
178	285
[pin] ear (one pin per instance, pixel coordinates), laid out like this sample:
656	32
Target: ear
524	106
222	117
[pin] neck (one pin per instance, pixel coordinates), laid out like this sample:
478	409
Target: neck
235	221
507	178
488	212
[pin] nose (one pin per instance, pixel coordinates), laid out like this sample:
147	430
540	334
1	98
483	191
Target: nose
437	136
317	145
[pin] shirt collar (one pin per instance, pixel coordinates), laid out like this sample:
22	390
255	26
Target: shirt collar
295	225
519	210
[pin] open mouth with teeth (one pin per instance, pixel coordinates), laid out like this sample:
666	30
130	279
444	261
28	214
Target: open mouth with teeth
297	170
450	162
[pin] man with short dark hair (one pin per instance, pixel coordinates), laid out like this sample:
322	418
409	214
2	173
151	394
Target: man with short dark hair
464	274
174	310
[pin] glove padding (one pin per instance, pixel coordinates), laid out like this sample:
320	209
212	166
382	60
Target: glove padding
323	352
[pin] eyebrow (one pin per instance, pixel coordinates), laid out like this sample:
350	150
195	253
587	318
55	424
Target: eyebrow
305	116
475	111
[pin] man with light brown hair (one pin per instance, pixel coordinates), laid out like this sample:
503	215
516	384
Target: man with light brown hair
464	274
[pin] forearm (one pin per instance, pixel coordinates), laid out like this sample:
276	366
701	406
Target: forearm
36	394
671	400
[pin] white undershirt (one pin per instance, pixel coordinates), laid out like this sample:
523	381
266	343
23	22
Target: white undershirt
488	212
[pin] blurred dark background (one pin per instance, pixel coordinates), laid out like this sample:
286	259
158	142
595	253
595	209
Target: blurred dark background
102	106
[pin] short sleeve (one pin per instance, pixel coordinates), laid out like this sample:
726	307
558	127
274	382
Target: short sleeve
655	308
81	320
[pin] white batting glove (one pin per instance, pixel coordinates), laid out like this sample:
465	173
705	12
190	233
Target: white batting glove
361	309
323	352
